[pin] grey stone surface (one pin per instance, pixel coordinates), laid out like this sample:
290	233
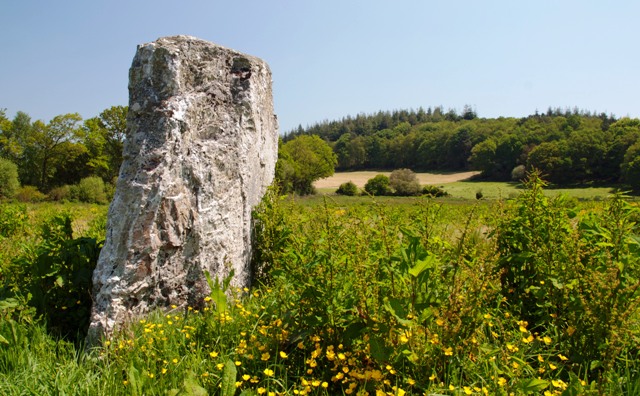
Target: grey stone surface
200	151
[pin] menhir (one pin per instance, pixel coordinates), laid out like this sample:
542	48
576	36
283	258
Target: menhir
200	151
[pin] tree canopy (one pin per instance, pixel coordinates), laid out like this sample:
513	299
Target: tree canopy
302	161
566	145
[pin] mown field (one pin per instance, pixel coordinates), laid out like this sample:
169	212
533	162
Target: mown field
352	295
459	186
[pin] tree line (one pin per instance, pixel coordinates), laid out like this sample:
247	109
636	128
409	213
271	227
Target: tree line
566	145
63	151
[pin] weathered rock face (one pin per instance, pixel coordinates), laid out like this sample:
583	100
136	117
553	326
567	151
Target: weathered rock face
200	152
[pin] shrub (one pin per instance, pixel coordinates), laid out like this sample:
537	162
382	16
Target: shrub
434	191
378	185
13	219
348	188
29	194
60	278
61	193
404	182
9	183
518	173
91	190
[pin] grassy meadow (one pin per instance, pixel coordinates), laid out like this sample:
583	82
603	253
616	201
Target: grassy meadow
459	186
537	294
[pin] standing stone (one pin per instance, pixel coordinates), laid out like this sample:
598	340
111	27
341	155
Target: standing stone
200	151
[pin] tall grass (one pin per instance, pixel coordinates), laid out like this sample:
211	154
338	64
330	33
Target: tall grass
533	296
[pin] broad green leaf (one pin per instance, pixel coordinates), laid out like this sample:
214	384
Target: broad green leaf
422	265
229	374
532	385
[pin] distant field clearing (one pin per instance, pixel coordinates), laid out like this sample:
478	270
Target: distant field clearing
361	178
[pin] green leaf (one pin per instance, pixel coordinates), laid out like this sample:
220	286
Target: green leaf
379	350
3	340
532	385
575	387
229	374
422	265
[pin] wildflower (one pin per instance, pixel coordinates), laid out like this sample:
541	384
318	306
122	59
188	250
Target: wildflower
151	375
261	390
164	370
451	387
220	366
439	322
315	383
246	377
559	384
265	356
325	384
283	355
487	316
213	354
403	339
175	360
502	381
341	356
238	363
411	381
448	351
268	372
547	340
467	390
552	366
540	359
433	377
522	325
562	357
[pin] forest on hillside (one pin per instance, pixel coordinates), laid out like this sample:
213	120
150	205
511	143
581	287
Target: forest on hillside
567	145
75	159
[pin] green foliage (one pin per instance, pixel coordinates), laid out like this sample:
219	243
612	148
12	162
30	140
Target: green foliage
569	146
9	183
631	167
378	185
60	278
90	190
62	193
518	173
434	191
404	182
409	298
29	194
13	219
582	281
302	161
349	188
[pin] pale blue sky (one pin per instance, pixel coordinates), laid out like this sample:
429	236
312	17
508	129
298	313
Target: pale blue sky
334	58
